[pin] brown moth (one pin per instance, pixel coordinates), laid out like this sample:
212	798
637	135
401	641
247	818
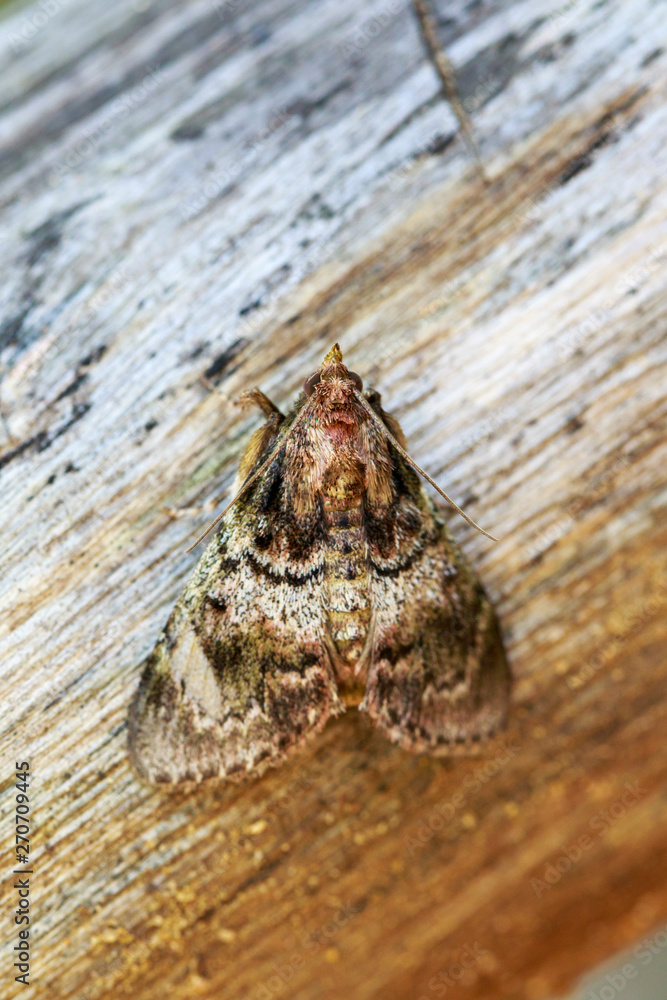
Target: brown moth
332	583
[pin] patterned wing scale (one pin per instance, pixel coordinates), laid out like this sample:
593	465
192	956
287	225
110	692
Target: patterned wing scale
236	683
438	679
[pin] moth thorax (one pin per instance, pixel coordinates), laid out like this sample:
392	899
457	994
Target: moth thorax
343	485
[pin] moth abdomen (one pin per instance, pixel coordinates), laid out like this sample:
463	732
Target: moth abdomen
346	591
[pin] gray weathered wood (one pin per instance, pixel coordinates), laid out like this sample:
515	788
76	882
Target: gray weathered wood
189	188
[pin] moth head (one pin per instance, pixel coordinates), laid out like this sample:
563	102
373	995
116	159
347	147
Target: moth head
333	382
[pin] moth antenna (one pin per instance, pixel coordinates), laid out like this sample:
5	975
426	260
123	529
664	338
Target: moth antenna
262	469
403	453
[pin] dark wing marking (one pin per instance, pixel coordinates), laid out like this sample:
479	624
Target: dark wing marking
438	680
240	678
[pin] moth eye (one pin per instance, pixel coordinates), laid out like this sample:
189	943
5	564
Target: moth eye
310	383
357	381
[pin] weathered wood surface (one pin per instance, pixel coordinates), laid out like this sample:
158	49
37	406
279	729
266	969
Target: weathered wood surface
288	177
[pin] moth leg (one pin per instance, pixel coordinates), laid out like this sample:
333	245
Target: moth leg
263	436
261	440
257	397
177	512
250	396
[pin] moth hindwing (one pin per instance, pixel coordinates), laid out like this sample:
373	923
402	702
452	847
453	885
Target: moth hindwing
333	582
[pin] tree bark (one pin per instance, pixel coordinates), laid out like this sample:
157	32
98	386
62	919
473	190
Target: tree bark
226	190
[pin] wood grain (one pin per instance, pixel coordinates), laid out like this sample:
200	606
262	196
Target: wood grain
192	189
